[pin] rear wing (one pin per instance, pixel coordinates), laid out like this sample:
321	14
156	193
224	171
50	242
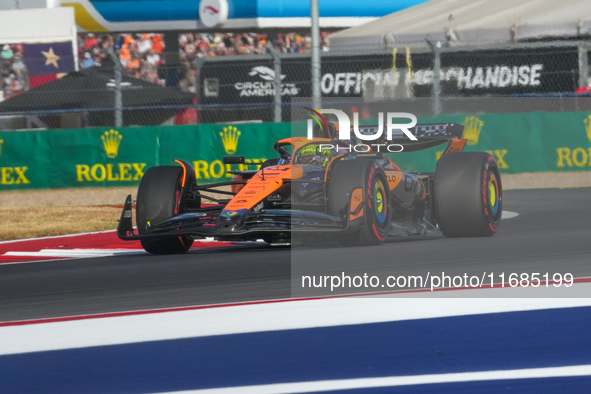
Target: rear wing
428	135
437	130
421	131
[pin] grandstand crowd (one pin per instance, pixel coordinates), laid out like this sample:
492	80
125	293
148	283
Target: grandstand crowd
142	55
13	71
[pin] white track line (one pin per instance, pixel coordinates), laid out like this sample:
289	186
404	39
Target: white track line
56	236
77	253
263	317
393	381
509	215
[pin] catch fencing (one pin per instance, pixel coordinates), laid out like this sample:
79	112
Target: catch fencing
243	87
240	88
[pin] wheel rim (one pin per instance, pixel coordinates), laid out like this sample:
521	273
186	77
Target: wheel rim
493	196
380	204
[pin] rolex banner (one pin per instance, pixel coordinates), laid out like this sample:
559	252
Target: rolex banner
119	157
522	142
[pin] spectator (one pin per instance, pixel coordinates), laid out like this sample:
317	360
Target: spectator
18	64
127	41
97	60
88	60
142	54
133	65
153	58
90	42
124	56
157	45
144	45
6	52
13	73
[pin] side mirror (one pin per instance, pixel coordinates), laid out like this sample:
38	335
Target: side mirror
233	160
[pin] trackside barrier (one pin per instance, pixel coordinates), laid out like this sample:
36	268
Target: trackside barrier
521	142
119	157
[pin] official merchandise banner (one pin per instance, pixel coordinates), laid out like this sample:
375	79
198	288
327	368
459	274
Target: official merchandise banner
520	142
399	74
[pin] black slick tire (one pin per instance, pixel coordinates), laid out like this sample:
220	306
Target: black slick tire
468	194
158	199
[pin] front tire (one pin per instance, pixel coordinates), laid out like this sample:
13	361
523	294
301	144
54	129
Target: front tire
158	199
345	177
468	194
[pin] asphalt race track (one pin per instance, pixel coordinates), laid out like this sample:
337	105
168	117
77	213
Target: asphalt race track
551	234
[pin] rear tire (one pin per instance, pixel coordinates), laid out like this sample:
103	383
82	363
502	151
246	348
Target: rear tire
348	175
158	199
468	194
